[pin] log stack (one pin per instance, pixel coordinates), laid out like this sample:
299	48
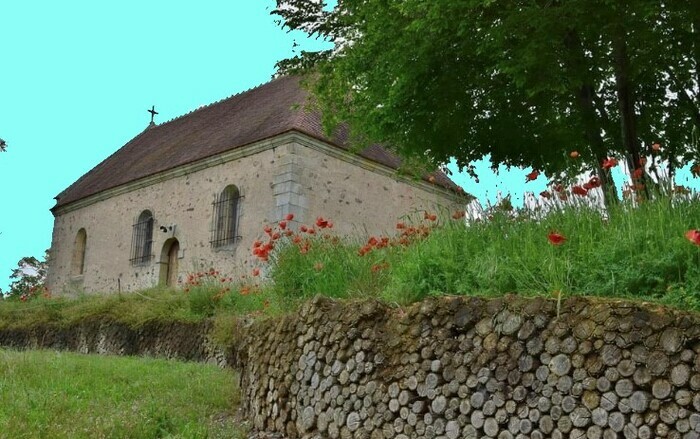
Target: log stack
470	368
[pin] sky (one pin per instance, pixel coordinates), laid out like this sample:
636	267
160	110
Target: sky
76	79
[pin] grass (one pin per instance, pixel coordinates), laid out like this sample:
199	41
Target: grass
47	394
638	253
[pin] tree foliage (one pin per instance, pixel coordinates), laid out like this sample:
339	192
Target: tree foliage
28	278
525	81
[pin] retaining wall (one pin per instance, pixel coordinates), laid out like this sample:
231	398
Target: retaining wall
173	340
469	367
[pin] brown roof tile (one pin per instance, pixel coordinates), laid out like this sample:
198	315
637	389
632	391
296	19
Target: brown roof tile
260	113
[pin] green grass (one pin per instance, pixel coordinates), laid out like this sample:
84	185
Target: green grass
55	395
636	253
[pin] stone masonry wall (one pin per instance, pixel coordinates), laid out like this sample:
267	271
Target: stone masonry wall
287	174
469	367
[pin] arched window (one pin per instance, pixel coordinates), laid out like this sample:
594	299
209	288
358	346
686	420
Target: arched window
142	239
79	246
225	219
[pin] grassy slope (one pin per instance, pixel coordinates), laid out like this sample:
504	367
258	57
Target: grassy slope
61	395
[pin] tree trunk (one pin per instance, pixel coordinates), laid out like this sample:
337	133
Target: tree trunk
592	122
626	100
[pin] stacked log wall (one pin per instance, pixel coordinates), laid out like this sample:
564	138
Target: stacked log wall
469	368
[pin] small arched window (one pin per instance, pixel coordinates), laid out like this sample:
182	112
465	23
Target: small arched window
79	247
225	218
142	239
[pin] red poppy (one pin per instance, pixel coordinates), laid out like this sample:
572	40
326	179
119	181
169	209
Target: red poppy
268	230
610	162
289	216
257	244
578	190
311	231
322	223
556	238
642	161
532	176
695	170
329	225
288	233
559	187
303	228
400	226
693	236
574	154
283	224
594	182
637	173
372	241
587	186
545	194
276	235
432	217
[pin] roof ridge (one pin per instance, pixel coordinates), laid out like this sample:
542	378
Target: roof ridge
204	107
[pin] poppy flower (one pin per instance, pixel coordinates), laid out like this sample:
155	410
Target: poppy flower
322	223
257	244
656	146
372	241
637	173
610	162
556	238
532	176
276	235
268	230
574	154
642	162
693	236
289	216
594	182
311	231
545	194
580	191
695	170
303	228
432	217
400	226
559	187
283	224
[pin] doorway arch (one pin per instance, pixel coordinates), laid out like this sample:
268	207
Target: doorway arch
169	263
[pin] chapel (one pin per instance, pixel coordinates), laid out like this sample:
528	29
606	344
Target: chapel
195	192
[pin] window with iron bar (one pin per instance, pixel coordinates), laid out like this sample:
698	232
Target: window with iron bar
225	217
142	239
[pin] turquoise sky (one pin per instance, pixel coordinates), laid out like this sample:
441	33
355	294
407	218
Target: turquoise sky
76	79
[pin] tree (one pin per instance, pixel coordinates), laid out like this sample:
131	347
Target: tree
29	278
525	81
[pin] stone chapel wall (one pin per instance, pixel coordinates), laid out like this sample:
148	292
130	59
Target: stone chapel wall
287	174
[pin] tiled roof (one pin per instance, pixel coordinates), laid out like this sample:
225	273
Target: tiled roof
266	111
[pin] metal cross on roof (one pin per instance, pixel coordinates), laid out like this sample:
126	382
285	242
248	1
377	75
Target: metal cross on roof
153	112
